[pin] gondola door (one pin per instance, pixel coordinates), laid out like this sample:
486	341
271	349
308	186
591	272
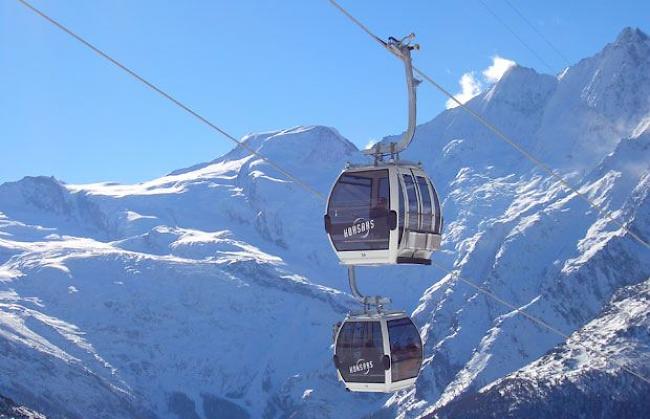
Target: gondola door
359	352
405	349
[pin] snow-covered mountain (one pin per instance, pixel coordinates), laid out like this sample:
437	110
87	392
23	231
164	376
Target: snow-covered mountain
211	292
571	382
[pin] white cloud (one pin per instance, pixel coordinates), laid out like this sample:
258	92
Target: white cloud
370	144
499	66
471	86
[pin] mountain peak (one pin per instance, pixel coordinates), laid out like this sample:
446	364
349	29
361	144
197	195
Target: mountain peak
517	72
631	35
42	183
522	88
296	141
290	145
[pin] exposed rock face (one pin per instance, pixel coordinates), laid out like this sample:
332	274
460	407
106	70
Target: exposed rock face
9	410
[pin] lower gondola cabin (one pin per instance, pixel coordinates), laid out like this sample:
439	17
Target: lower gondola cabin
377	352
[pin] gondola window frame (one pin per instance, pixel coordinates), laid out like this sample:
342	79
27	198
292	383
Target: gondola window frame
394	370
374	188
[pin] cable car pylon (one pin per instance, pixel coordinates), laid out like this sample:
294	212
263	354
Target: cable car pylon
384	213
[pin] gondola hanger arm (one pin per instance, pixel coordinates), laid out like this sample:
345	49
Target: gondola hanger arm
374	301
401	48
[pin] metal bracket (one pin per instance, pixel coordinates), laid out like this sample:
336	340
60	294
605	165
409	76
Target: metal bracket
401	49
374	301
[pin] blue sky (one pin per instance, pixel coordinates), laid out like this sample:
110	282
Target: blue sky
248	66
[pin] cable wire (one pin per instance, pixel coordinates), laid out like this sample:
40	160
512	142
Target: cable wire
537	320
172	99
500	134
521	41
538	32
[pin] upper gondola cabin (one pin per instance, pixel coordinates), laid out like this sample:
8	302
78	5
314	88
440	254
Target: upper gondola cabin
388	213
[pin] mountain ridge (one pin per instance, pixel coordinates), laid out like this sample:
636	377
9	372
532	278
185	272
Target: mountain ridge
129	290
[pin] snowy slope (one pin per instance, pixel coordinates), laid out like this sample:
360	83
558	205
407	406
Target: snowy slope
571	381
211	291
569	291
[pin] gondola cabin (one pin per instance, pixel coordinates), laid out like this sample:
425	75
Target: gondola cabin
384	214
378	352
